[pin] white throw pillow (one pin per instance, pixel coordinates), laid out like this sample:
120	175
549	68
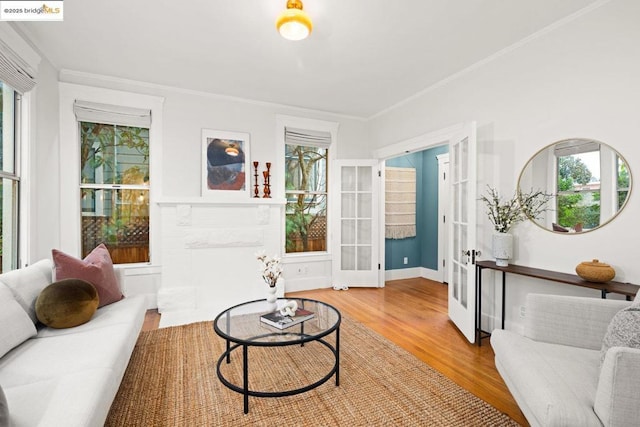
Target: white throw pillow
15	325
27	283
623	330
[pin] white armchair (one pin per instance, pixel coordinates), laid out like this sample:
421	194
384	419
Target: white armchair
556	372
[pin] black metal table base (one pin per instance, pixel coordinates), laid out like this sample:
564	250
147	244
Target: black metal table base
246	392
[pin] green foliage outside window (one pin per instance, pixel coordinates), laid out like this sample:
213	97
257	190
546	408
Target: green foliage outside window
623	182
306	192
572	170
115	190
579	208
112	148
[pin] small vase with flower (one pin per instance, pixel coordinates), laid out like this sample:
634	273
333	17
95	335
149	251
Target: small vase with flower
271	271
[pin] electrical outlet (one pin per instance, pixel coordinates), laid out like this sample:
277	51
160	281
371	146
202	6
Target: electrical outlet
522	311
406	260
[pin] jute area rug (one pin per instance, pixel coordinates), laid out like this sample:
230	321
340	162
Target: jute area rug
171	381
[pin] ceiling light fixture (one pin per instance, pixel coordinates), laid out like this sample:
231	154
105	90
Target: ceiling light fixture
294	23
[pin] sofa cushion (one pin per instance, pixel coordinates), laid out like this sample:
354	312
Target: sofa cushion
67	303
27	283
4	409
623	330
15	324
554	385
96	268
70	376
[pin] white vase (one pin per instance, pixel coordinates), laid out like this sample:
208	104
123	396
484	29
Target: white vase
502	246
271	298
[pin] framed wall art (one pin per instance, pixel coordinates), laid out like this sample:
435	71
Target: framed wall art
225	164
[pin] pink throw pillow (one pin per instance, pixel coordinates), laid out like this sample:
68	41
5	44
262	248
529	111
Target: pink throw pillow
96	268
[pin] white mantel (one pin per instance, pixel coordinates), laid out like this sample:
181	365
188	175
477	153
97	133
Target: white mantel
208	254
204	201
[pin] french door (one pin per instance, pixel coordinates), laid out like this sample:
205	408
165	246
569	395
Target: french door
355	232
462	292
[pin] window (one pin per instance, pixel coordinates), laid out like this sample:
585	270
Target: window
579	190
9	186
114	188
592	186
306	168
622	181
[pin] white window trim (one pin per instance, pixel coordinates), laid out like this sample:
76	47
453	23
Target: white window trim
282	122
31	58
25	178
70	236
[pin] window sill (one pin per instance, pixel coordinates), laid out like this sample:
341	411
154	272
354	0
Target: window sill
306	257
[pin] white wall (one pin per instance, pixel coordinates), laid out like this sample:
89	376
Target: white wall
44	166
185	114
578	80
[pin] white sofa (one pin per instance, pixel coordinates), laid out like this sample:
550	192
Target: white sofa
556	372
66	377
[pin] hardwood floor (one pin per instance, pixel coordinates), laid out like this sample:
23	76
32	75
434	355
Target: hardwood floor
151	320
413	314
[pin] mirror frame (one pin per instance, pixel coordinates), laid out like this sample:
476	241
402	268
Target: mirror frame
553	208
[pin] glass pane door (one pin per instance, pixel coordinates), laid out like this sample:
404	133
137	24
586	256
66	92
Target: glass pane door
357	263
462	293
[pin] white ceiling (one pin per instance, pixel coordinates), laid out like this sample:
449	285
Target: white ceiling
363	56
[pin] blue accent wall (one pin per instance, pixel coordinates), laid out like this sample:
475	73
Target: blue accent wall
397	249
421	250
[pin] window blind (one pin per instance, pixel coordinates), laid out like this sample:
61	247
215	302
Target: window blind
400	203
570	147
111	114
14	71
307	137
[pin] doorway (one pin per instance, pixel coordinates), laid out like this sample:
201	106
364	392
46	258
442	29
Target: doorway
461	140
415	243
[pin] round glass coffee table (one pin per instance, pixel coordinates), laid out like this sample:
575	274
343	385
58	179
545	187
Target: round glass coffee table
240	326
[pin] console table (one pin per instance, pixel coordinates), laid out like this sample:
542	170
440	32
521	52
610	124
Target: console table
629	290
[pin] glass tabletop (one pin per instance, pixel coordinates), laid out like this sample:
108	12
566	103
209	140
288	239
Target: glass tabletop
242	324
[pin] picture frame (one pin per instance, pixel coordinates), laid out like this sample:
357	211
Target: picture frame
225	164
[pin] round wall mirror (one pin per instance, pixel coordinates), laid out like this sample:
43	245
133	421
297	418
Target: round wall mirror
588	181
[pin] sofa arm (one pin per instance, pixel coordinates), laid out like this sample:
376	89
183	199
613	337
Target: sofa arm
618	395
568	320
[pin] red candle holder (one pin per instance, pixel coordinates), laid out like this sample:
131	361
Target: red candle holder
256	191
267	185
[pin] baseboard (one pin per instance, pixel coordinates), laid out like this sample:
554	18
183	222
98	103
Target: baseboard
184	317
402	273
307	283
410	273
430	274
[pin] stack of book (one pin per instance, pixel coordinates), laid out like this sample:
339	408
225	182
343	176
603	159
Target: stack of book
282	321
